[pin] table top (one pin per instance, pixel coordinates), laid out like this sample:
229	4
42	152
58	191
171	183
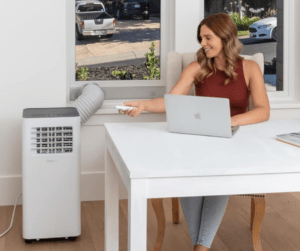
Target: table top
150	151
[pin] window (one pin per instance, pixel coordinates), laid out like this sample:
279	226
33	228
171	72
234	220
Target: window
133	32
172	39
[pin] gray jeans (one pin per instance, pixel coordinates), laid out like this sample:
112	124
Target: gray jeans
203	216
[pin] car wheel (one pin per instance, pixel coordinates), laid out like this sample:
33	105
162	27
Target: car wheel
78	35
107	36
274	34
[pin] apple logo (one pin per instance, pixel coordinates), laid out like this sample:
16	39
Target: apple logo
197	115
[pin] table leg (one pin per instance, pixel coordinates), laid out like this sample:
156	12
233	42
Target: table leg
137	215
111	205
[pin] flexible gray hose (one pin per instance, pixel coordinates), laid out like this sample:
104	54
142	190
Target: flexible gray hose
89	101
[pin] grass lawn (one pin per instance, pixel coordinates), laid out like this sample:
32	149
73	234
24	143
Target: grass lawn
243	33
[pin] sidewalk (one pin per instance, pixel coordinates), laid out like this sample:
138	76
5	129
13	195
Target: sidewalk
244	36
136	57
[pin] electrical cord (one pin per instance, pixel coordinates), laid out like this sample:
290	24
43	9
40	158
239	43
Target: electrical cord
12	218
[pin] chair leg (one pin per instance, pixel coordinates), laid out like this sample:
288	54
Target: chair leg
258	208
158	207
175	210
252	212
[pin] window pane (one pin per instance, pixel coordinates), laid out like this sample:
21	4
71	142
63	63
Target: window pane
260	29
117	40
90	7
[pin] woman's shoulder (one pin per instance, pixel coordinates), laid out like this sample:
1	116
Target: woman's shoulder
247	63
193	67
250	66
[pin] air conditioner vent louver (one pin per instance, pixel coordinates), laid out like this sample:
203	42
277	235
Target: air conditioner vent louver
51	140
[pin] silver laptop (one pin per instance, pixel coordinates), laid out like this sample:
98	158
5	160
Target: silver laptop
199	115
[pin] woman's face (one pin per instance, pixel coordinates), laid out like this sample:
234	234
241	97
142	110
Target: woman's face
211	43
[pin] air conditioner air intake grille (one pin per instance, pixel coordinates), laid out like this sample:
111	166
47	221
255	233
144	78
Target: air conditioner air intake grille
51	140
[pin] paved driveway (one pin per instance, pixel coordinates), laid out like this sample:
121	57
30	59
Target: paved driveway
267	47
132	35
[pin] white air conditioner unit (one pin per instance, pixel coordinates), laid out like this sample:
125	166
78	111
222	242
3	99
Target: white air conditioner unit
51	173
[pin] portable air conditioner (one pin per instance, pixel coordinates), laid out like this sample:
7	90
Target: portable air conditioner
51	173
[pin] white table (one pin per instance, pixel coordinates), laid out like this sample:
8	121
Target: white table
154	163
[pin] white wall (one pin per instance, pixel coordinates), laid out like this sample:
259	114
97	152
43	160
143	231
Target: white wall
187	19
32	51
33	74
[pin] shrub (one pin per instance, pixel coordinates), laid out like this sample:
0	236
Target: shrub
271	12
81	73
245	22
151	64
121	73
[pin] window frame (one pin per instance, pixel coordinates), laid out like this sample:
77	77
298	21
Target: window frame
288	54
139	88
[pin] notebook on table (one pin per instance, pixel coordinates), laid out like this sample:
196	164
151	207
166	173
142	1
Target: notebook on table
199	115
290	138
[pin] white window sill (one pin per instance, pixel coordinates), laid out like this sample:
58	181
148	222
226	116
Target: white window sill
284	104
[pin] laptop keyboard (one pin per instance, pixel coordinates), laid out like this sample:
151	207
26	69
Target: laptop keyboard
234	128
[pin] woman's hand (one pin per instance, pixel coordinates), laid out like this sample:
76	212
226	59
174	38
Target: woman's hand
233	121
136	111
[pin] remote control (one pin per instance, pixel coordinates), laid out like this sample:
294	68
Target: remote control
124	108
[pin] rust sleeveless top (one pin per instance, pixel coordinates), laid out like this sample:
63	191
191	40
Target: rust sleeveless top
236	91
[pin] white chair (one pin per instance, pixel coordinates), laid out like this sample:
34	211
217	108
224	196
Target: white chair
176	63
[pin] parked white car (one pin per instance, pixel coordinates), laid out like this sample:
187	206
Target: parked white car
92	20
264	29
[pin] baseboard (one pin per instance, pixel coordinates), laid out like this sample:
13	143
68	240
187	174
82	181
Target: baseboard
92	186
10	189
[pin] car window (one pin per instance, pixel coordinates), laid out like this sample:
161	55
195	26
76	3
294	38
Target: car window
90	7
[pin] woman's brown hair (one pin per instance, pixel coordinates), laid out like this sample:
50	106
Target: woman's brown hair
222	25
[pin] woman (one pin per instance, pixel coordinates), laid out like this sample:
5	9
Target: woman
218	72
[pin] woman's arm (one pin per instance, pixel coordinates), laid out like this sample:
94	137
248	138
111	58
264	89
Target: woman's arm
261	111
182	87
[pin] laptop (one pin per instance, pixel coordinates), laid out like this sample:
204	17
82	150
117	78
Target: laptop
199	115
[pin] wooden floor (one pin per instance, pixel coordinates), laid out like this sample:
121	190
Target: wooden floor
280	228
